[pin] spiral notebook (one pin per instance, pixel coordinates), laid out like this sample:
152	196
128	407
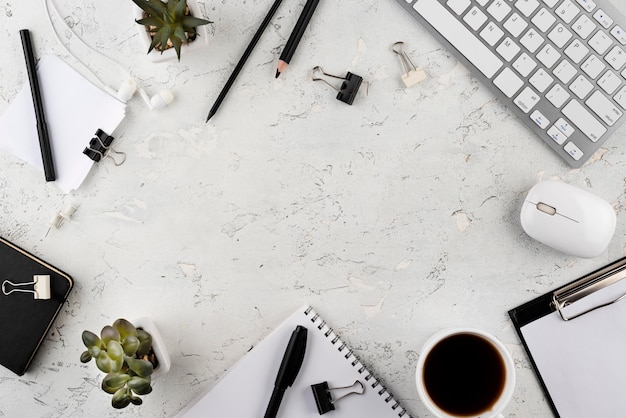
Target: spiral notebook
244	391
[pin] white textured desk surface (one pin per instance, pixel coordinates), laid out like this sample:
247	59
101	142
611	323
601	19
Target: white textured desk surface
394	217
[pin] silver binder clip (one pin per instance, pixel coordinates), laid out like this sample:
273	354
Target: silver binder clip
324	399
412	75
41	287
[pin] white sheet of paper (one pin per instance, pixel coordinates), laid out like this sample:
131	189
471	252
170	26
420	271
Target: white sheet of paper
583	361
74	108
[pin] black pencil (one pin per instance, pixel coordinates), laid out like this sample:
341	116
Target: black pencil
296	35
42	127
243	59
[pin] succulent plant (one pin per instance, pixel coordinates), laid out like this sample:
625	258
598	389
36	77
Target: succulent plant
169	23
121	351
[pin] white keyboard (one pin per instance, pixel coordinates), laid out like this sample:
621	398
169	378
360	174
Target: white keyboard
559	65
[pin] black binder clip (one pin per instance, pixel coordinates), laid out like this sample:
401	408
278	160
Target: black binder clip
324	399
100	147
349	88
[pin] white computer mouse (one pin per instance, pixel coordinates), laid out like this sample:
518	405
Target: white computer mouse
568	219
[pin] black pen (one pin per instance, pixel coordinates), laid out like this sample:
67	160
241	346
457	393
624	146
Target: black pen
296	35
289	368
42	127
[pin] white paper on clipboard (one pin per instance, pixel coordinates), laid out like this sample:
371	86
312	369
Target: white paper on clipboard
583	361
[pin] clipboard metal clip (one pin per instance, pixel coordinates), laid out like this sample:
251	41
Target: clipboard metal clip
587	285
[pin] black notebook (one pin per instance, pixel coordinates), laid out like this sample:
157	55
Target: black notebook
26	317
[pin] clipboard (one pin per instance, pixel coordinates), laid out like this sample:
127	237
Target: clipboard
575	337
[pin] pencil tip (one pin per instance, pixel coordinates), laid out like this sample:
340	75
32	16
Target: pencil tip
277	73
211	113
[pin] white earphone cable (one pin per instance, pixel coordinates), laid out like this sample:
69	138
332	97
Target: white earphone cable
56	11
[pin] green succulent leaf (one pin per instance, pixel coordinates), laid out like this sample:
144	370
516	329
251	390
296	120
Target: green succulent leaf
191	22
121	399
136	400
145	340
104	362
143	368
112	382
85	357
125	328
150	21
90	339
130	344
109	333
152	7
140	385
115	350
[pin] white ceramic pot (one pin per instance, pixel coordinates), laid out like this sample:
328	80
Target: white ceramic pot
158	346
202	39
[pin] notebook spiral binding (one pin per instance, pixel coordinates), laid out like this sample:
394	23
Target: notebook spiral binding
313	317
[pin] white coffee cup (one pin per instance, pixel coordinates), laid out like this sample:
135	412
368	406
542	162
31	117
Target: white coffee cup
503	386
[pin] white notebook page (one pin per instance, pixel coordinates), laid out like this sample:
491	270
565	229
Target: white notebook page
245	390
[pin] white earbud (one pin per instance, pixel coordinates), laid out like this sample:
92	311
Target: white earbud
125	92
159	100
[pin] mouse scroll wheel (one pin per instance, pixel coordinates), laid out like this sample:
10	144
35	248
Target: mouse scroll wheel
546	208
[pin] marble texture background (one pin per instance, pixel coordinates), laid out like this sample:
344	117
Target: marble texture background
395	217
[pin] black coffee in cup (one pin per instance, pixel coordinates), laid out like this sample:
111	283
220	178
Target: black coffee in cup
464	374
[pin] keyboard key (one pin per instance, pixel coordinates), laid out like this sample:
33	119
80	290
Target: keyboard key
556	135
604	108
565	71
543	20
593	66
541	80
474	18
603	18
459	36
585	121
619	34
564	127
531	40
508	49
567	11
557	95
548	56
524	64
584	26
620	97
499	9
508	82
515	24
609	82
616	57
600	42
588	5
560	35
551	3
491	33
581	87
527	7
527	99
539	119
458	6
573	150
576	51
